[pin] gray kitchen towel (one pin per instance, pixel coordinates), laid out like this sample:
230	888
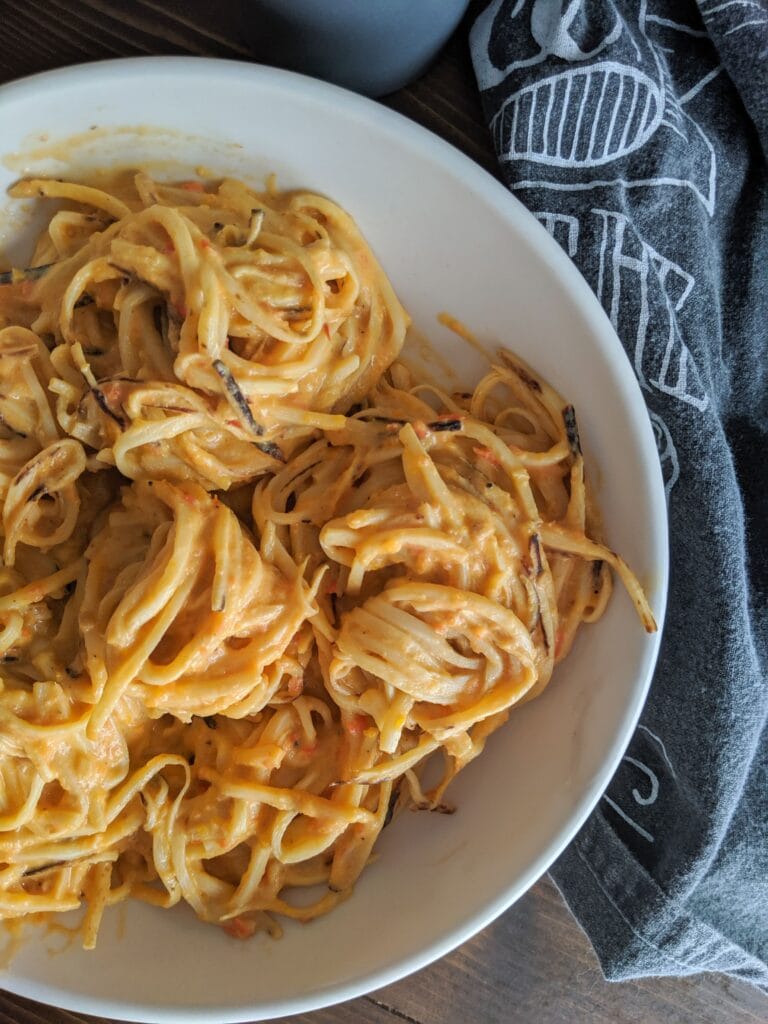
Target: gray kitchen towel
636	131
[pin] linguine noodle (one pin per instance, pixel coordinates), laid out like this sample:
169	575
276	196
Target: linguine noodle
254	575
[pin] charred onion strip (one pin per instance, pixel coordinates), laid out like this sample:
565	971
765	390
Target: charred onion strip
236	397
15	276
571	430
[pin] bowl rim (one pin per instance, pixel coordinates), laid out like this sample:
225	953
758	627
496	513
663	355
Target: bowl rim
508	207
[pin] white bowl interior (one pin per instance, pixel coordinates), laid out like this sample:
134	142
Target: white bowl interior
451	239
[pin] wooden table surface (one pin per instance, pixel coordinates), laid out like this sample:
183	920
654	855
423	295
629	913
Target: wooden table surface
533	965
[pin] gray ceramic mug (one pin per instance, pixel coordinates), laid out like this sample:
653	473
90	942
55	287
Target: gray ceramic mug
371	46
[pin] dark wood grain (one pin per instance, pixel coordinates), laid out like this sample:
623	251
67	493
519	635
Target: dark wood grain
533	965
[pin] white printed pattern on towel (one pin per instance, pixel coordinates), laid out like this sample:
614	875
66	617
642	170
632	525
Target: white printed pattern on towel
670	466
631	273
754	12
651	779
629	267
587	117
554	222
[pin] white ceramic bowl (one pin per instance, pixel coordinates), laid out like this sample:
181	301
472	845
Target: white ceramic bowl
451	238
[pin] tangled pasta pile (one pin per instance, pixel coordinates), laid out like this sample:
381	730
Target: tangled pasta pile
253	575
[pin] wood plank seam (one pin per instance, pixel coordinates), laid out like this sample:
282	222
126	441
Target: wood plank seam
393	1010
